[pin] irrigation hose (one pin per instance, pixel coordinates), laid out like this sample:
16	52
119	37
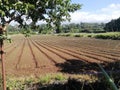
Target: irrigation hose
112	84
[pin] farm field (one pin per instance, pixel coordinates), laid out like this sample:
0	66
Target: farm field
40	54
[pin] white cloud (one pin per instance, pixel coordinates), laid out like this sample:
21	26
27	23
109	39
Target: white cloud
111	7
103	15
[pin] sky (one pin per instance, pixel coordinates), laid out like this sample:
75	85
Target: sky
96	11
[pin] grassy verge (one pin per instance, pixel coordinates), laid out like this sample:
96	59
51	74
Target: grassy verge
48	80
109	35
59	81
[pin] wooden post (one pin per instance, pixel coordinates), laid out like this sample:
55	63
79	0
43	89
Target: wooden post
2	60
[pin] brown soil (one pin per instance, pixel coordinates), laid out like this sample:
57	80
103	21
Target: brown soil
50	54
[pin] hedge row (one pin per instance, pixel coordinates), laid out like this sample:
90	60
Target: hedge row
108	36
113	36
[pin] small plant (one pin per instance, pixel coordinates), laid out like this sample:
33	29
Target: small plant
59	77
89	35
68	34
45	80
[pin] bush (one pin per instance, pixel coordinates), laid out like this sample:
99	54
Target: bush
78	35
113	36
102	31
89	35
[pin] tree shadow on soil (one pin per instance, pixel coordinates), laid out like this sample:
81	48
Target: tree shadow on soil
74	66
72	84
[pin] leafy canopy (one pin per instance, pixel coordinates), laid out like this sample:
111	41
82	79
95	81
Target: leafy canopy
51	11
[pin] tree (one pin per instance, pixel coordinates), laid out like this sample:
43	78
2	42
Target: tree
59	12
51	11
113	25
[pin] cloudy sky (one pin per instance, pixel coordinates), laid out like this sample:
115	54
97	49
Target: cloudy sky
96	11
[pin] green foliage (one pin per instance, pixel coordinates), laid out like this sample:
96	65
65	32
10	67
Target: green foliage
60	12
113	36
59	77
89	35
83	28
51	11
24	83
78	35
113	25
65	34
44	29
47	79
14	84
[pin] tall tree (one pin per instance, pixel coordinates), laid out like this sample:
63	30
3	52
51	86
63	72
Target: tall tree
113	25
51	11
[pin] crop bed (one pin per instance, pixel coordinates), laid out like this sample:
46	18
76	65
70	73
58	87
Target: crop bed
41	54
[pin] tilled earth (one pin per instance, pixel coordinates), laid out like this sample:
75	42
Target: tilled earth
41	54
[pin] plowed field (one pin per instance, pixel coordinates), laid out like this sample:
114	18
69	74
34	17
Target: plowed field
49	54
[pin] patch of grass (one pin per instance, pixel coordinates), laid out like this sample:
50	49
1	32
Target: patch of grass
51	78
56	81
112	35
109	35
59	77
45	80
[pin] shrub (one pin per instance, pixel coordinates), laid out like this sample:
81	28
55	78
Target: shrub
89	35
78	35
67	34
113	36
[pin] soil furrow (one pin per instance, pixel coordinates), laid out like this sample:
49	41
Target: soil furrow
87	53
85	49
49	57
34	58
71	54
20	55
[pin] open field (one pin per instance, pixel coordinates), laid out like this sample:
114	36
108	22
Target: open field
38	55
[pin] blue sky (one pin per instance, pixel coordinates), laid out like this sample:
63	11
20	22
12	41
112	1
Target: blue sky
91	5
96	11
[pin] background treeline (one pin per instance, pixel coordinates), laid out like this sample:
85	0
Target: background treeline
74	28
113	25
84	28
